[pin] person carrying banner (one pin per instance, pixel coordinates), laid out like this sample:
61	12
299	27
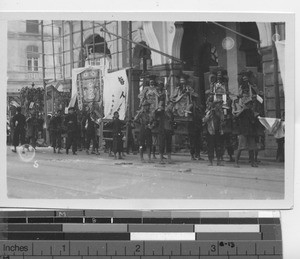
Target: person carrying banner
55	129
18	123
146	121
71	125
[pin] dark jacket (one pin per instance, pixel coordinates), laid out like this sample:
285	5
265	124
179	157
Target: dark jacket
247	123
71	122
55	124
19	122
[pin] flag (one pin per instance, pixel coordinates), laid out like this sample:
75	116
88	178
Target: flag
115	94
87	88
276	127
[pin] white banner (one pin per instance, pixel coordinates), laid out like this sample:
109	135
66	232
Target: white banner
115	93
280	46
274	126
75	72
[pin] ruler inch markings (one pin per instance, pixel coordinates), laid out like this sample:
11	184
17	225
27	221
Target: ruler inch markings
268	246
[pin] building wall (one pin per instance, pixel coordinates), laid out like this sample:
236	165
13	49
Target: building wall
18	40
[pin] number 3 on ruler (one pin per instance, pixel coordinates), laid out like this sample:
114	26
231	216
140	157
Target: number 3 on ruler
213	248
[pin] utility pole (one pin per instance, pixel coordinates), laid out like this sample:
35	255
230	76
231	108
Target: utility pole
43	79
275	74
131	85
81	44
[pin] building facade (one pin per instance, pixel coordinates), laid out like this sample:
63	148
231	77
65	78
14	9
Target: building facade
24	55
162	48
201	46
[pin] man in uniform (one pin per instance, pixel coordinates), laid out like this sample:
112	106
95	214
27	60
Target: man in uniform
71	125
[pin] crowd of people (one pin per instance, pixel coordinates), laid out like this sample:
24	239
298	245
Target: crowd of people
226	124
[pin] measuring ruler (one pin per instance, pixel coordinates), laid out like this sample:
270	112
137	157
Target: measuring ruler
140	235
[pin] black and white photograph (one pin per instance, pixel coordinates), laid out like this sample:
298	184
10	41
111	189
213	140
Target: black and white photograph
152	108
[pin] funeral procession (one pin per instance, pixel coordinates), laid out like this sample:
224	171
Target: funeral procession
145	109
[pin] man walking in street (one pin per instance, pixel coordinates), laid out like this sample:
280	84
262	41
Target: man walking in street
90	128
18	123
145	119
214	120
32	130
195	132
55	129
71	125
247	132
165	120
117	126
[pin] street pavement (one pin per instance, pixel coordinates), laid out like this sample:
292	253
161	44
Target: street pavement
46	175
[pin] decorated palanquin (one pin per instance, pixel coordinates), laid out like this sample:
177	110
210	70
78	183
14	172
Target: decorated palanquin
90	91
150	94
247	91
184	99
218	83
154	92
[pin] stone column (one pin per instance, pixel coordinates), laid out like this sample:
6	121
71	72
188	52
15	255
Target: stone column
269	93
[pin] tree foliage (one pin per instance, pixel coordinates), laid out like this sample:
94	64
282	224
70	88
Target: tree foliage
29	95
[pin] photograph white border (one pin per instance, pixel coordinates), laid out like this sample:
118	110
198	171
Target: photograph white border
286	203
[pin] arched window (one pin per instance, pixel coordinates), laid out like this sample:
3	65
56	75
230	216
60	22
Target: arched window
32	58
95	49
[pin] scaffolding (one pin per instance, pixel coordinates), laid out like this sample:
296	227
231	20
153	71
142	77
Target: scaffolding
75	44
